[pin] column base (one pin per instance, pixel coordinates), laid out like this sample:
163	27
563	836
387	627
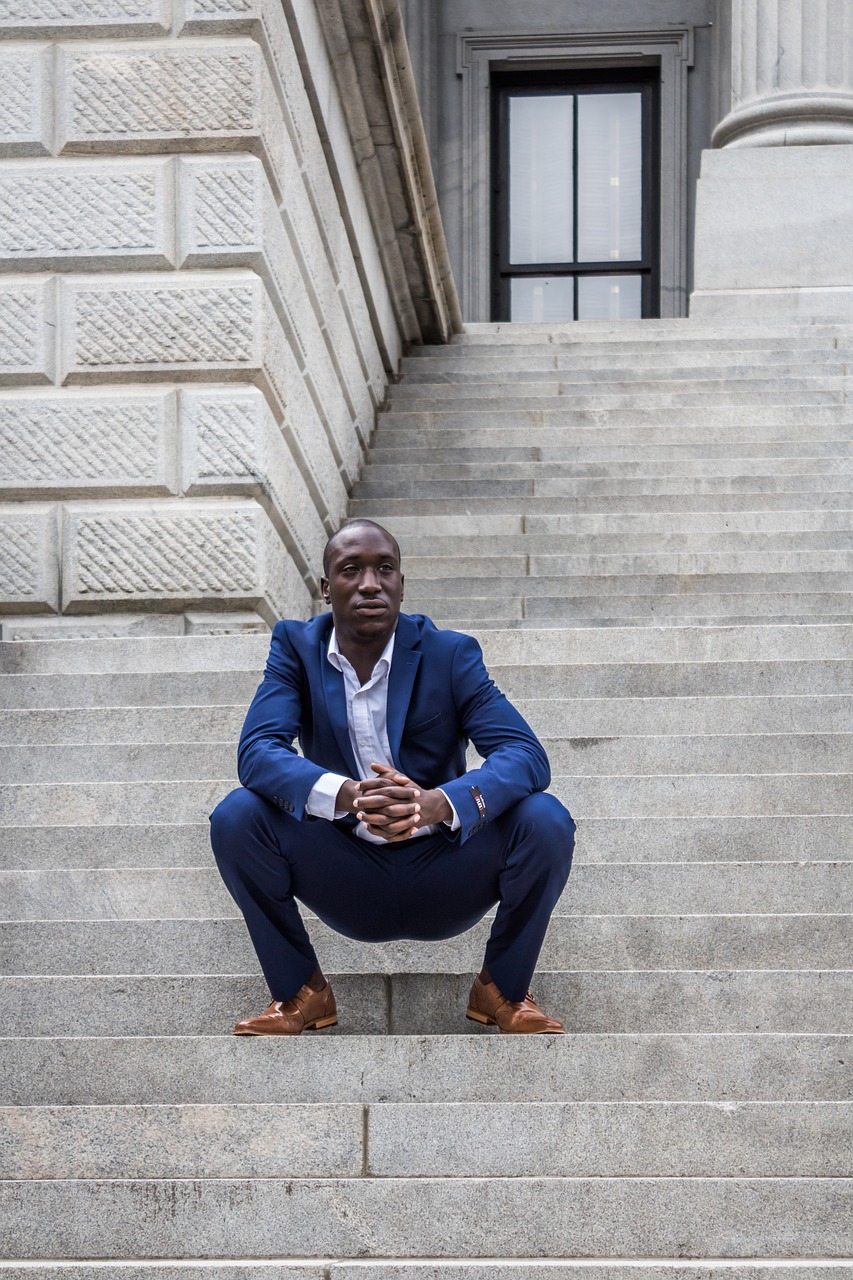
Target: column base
773	234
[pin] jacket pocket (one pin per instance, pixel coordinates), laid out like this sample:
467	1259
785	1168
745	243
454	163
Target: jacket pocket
410	730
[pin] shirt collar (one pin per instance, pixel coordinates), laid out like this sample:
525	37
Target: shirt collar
337	659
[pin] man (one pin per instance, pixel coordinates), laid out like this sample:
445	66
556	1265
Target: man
379	829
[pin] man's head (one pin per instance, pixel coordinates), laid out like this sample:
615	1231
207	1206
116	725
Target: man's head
362	581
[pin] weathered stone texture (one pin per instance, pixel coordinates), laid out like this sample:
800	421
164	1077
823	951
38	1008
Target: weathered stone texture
166	325
116	213
29	566
231	442
228	215
24	101
194	95
85	17
67	442
186	552
27	328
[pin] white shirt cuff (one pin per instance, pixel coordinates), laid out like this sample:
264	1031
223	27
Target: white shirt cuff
454	822
322	797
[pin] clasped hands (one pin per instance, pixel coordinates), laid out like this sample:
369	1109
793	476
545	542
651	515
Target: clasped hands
391	805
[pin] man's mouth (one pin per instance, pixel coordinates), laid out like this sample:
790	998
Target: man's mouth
371	606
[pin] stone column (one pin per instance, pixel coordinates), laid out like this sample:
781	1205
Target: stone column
773	223
790	75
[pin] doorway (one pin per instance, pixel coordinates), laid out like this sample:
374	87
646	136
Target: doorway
575	180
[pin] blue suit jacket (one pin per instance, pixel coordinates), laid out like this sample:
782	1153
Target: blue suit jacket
439	696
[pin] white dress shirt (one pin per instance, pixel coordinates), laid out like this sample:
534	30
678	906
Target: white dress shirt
367	721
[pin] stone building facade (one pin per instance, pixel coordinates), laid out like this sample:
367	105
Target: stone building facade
219	230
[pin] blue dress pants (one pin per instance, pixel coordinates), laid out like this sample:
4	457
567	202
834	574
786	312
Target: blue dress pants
427	888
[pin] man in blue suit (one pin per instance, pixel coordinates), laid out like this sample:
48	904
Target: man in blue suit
378	827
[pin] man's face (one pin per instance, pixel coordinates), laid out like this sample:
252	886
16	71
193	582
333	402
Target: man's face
365	585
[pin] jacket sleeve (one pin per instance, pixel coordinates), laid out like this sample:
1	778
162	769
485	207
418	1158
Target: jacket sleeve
515	764
267	760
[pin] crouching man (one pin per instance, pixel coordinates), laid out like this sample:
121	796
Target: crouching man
379	828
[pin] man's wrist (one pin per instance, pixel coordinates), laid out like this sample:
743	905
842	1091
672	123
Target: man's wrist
347	796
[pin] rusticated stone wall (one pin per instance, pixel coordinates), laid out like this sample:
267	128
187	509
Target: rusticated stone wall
194	331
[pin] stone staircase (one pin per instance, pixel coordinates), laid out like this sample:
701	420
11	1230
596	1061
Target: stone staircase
650	527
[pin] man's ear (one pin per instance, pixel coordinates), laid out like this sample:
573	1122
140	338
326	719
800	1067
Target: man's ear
402	586
324	590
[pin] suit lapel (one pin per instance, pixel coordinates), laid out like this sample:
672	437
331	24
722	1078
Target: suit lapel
336	706
401	680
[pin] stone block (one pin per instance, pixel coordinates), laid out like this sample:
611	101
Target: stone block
228	216
231	442
85	17
196	95
27	330
784	252
76	214
29	558
163	326
25	103
70	443
193	553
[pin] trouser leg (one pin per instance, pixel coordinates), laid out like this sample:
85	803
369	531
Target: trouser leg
538	844
521	861
244	834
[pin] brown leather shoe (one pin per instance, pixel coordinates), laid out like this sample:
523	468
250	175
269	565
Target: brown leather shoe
309	1010
519	1018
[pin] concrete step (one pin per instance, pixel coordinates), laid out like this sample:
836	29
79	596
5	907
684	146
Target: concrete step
409	1140
759	419
665	1001
772	566
625	753
665	366
638	942
602	505
691	838
676	795
473	1269
446	468
420	449
655	889
439	530
686	386
524	553
427	1217
772	668
649	485
550	717
168	656
730	608
175	1070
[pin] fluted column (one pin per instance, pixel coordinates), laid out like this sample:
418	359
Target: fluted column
790	78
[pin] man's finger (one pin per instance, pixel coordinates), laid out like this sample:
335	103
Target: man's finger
393	775
382	799
393	814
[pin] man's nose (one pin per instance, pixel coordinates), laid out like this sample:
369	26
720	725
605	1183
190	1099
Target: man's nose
370	581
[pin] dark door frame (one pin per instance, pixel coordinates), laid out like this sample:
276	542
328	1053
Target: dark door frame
645	80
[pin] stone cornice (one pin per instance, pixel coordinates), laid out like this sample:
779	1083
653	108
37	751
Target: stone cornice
371	65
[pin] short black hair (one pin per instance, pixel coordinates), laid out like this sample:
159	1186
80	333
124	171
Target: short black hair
355	524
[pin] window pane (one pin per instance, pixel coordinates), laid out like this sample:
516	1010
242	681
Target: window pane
610	297
540	178
535	298
610	177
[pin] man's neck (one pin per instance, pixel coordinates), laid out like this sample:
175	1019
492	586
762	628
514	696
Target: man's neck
362	655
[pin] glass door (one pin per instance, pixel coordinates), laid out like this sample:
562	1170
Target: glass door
575	181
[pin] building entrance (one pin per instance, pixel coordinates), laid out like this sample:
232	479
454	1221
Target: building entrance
574	183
